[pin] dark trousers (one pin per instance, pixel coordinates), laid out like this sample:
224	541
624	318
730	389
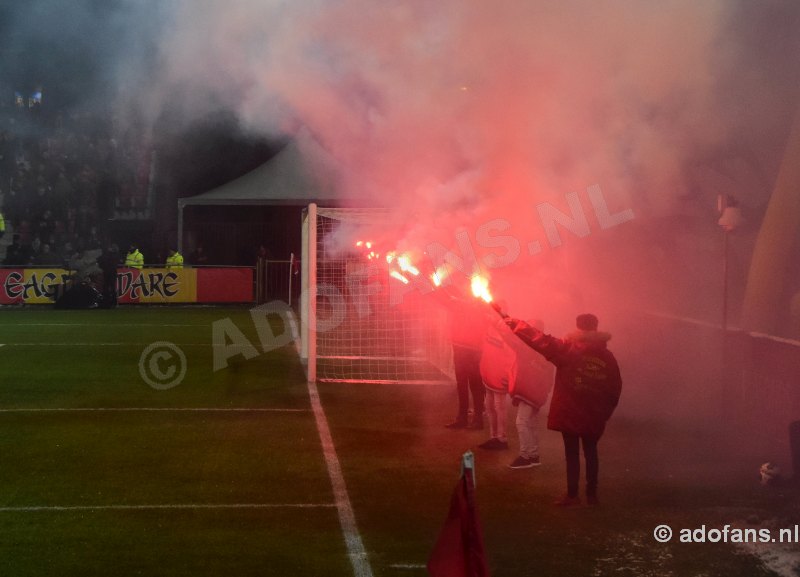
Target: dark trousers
467	364
572	452
109	290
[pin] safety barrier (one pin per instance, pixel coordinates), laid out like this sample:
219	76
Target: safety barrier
278	280
148	285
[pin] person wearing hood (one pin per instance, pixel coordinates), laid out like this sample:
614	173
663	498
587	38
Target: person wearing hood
586	392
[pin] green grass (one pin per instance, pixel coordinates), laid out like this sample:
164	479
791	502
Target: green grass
399	463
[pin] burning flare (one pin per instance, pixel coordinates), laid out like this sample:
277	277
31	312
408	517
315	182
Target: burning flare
367	244
399	265
439	275
480	288
404	262
399	276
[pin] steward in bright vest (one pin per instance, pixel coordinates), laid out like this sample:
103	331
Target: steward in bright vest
175	259
134	258
2	225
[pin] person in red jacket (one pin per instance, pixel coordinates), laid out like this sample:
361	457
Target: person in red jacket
467	332
587	390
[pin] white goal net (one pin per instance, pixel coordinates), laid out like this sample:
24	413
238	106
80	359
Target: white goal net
359	324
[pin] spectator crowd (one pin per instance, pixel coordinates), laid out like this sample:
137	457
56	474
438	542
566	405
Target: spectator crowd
62	177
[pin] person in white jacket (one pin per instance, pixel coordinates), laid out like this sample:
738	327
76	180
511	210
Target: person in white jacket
529	392
498	371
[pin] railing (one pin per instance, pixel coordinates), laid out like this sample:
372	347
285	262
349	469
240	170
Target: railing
277	280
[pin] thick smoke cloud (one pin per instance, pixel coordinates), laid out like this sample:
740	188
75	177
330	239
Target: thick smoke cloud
458	113
529	94
526	98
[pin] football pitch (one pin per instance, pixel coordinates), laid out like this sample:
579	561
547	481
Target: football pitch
248	470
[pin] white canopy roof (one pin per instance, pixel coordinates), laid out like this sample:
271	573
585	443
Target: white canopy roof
301	173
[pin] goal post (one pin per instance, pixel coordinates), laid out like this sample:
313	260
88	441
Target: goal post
308	292
359	324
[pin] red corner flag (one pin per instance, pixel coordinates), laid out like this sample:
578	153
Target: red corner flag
459	549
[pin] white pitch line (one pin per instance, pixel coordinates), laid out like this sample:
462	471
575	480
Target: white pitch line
153	410
46	508
113	325
229	346
115	345
347	518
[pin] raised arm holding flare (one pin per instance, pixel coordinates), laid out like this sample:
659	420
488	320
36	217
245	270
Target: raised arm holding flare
587	389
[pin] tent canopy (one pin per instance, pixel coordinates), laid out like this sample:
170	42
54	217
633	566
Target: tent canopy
301	173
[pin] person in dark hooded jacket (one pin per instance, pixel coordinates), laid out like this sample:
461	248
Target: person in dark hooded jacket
587	389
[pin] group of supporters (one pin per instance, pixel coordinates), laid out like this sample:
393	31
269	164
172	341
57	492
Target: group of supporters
498	358
83	260
94	282
61	174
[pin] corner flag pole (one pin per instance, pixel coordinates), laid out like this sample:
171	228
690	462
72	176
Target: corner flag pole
459	549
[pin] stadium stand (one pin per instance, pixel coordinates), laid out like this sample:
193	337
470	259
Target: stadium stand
62	176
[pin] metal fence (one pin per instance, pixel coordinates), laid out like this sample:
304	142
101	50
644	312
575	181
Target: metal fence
278	280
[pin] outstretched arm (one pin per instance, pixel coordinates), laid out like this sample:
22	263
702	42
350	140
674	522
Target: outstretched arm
548	346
